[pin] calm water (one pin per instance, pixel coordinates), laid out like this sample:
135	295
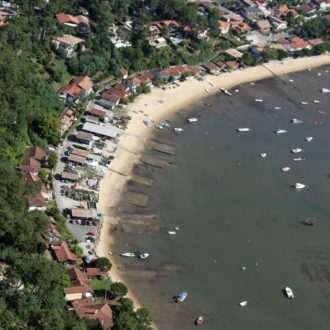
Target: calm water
237	209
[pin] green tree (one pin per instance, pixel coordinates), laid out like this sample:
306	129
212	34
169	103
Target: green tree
66	280
143	316
48	127
52	159
103	264
269	54
118	289
42	174
77	250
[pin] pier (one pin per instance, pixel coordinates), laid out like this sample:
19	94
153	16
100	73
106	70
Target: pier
142	180
163	148
137	199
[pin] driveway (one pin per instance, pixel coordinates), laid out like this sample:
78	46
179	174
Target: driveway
256	38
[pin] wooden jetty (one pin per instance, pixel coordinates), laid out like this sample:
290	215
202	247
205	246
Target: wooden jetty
142	180
137	199
163	148
153	161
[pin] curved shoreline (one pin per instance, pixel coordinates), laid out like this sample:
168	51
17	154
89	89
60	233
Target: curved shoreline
132	141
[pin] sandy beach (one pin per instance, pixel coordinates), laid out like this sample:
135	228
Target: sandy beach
132	141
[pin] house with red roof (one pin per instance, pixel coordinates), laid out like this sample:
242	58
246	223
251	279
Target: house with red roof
109	100
224	27
31	160
67	19
84	83
80	86
124	73
63	254
293	43
240	27
81	285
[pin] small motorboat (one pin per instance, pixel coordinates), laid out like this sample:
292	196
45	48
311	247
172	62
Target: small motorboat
171	232
192	120
243	129
209	105
296	121
285	169
243	303
207	90
159	126
310	221
147	122
199	320
305	103
299	159
258	100
165	124
181	297
299	186
289	293
278	108
322	112
176	228
296	151
309	139
325	90
168	120
178	129
144	255
210	83
225	91
128	255
317	101
281	131
263	155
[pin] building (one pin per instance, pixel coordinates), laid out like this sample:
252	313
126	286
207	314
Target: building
69	43
66	119
102	131
240	27
84	137
79	152
80	285
293	43
108	100
306	10
63	254
211	68
79	160
251	11
35	153
31	161
263	25
52	234
69	93
124	73
37	202
234	53
97	113
82	214
70	176
84	83
277	23
67	19
92	119
224	27
8	13
232	65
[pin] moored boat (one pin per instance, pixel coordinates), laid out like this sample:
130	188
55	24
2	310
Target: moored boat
171	232
289	293
258	100
144	255
285	169
243	129
305	103
243	303
207	90
316	101
225	91
159	126
178	129
325	90
299	159
309	138
181	297
199	320
296	151
281	131
263	155
299	185
278	108
296	121
322	112
165	124
209	105
128	255
147	122
192	120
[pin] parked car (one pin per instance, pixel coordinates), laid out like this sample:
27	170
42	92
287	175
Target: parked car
91	233
91	239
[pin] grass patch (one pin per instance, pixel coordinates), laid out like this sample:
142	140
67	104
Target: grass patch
101	288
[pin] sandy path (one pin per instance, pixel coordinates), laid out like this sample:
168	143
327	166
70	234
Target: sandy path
132	141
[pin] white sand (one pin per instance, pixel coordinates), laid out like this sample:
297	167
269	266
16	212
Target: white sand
131	143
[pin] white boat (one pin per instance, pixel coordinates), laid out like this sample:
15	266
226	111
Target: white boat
304	103
178	129
289	293
263	155
297	150
177	228
207	90
242	129
298	159
210	83
299	185
165	124
225	91
192	120
258	100
159	126
144	255
243	303
309	139
181	297
281	131
316	101
147	122
285	169
296	121
171	232
128	255
325	90
278	108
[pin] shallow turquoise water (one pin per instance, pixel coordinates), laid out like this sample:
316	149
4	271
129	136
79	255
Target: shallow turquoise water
237	209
